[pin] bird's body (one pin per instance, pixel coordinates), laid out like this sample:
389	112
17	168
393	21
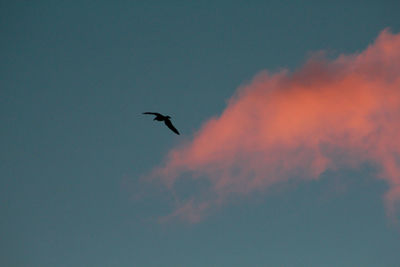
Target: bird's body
165	119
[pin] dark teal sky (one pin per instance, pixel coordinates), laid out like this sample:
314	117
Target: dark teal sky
74	78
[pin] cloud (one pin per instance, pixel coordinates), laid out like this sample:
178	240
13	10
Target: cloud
284	126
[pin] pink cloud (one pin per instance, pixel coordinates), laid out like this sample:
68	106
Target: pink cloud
285	126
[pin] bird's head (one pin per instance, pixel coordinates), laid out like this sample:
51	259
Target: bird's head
168	117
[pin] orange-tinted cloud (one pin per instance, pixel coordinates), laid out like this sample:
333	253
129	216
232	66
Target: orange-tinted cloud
327	115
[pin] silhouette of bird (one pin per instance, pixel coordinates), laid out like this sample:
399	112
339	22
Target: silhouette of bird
166	120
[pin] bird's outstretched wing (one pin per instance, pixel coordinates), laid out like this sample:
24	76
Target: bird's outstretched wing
169	125
152	113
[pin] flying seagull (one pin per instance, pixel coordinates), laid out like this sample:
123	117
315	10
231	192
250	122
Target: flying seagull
166	120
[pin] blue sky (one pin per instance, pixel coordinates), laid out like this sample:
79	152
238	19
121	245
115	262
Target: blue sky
75	77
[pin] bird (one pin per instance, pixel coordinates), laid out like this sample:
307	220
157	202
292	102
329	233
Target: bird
166	119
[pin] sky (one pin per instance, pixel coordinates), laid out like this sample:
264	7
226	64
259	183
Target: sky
288	153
